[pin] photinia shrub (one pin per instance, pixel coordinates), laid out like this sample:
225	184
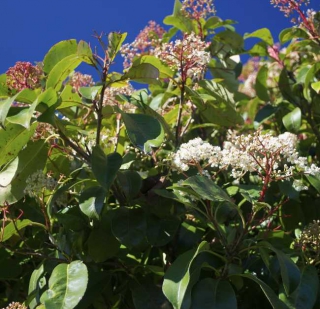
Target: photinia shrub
189	180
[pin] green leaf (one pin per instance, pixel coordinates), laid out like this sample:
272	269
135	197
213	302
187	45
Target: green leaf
164	71
129	226
179	279
261	84
290	273
69	98
316	87
310	77
12	228
102	245
178	20
292	121
91	202
231	38
58	52
315	181
307	291
105	167
207	189
130	183
62	70
90	93
292	33
213	293
275	302
34	286
29	160
12	140
264	34
115	40
161	230
24	117
144	73
84	51
144	131
67	285
265	113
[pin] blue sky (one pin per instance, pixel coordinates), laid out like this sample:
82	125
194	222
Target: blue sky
31	27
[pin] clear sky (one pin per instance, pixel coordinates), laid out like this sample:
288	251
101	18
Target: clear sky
30	27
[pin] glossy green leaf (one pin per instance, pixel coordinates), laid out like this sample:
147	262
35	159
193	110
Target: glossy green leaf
115	40
310	77
264	34
69	98
102	245
178	20
290	273
130	183
5	106
307	291
231	38
31	159
261	84
207	189
164	71
213	293
275	302
90	93
129	226
48	98
13	228
292	121
34	286
178	280
315	181
84	51
292	33
214	22
105	167
316	87
24	117
58	52
144	73
147	295
67	285
264	114
91	202
62	70
144	131
12	140
161	230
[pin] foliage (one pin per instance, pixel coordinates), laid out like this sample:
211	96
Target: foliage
200	191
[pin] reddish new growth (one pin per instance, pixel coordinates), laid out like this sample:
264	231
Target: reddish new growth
23	75
144	44
290	7
197	9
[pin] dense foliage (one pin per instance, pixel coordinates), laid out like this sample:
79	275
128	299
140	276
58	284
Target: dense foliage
200	191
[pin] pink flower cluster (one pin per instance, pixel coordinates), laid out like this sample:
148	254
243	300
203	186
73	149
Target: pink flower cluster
78	80
144	44
24	75
187	56
197	9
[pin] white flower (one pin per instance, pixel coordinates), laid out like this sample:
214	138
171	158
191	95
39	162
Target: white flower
298	185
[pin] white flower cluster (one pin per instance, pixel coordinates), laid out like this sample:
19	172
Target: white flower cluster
38	182
194	152
188	56
264	154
